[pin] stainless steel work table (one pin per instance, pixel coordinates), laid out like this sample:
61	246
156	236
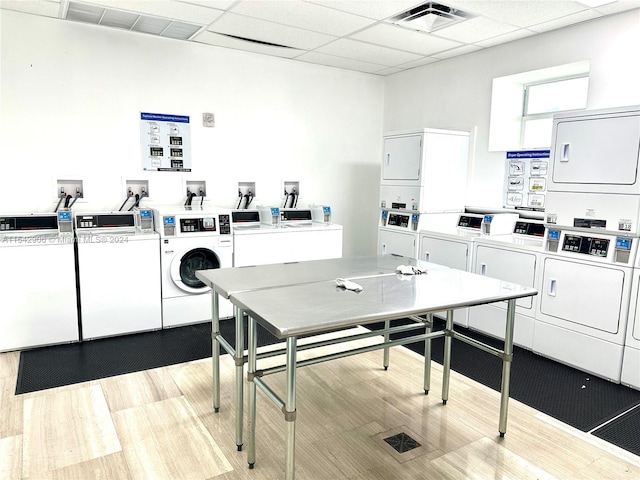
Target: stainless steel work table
320	307
227	282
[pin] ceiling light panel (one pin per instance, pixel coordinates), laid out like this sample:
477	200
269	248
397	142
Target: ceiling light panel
119	19
265	31
80	12
181	31
308	16
152	25
404	39
184	12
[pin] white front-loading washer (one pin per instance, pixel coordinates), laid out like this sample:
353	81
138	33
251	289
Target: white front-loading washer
191	240
39	281
513	258
118	274
630	375
583	308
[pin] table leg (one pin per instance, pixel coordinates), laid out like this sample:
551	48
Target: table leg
506	366
215	349
251	369
239	361
385	361
446	364
427	354
290	409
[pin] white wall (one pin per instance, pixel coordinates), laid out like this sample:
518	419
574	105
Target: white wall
71	100
456	93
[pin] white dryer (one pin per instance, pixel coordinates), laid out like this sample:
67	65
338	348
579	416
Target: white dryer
191	240
631	355
118	274
513	258
453	247
293	238
39	281
584	299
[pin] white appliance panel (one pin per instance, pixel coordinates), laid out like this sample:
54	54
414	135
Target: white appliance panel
491	319
397	242
588	298
41	306
451	253
119	284
515	267
597	154
402	158
630	375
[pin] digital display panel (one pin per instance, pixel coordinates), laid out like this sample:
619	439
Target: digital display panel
469	222
597	247
398	220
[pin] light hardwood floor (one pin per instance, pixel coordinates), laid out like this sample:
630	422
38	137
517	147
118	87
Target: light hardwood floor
159	424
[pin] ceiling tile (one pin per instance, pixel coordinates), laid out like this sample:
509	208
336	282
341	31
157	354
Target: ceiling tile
404	39
389	71
375	9
367	52
619	6
456	52
565	21
339	62
256	29
519	13
507	37
185	12
219	4
474	30
418	63
45	8
223	41
308	16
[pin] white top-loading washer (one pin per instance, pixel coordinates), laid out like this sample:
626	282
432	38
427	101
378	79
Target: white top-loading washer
118	273
39	281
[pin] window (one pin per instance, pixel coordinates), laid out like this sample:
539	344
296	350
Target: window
523	104
542	101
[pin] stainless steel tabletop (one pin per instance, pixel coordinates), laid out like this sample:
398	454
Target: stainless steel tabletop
229	281
311	308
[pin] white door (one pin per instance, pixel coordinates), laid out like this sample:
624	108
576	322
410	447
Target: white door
402	158
399	243
507	265
597	151
450	253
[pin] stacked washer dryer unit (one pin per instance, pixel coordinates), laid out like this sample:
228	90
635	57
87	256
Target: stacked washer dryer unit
191	240
118	273
453	246
593	223
422	185
513	258
275	235
39	287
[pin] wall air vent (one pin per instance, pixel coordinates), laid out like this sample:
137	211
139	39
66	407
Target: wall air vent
429	17
82	12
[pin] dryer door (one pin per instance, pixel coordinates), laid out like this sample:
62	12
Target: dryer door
185	265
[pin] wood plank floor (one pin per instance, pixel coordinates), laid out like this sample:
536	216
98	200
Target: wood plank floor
160	424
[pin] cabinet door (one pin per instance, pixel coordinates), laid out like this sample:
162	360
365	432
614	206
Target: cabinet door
402	158
449	253
598	151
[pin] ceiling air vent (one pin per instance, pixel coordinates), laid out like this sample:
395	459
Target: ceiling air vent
163	27
429	17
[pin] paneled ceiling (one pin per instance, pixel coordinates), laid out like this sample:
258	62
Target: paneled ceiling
381	37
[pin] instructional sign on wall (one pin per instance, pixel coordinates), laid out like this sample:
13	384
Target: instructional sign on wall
165	142
526	179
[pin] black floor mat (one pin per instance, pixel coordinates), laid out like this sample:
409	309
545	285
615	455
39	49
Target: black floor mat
623	431
55	366
574	397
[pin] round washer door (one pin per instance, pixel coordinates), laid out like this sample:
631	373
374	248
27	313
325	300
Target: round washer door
185	265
